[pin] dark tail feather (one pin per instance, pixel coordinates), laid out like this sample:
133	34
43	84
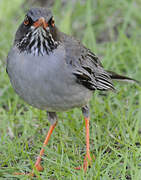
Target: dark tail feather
115	76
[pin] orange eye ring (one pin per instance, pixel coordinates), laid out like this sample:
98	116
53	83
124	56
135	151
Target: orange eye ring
26	22
53	22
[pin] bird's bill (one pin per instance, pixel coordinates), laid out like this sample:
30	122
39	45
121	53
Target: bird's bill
41	23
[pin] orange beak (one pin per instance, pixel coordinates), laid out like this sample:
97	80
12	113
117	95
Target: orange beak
41	22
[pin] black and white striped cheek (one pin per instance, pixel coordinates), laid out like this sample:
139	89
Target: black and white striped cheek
37	42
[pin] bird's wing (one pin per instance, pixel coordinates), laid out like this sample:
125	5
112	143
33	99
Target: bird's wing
86	66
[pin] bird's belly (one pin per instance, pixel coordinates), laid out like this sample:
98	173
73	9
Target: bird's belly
52	96
45	87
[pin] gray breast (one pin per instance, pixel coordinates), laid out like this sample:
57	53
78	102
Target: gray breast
46	82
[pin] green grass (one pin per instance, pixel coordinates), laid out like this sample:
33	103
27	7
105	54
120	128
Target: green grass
112	30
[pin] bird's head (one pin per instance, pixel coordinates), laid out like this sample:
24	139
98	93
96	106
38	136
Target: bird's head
37	34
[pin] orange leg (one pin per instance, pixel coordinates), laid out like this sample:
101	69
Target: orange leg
87	159
37	165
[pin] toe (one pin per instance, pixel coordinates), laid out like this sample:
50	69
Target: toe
38	167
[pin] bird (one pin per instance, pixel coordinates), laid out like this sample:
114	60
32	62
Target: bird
53	71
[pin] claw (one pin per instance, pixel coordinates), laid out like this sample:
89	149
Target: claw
38	167
87	162
26	174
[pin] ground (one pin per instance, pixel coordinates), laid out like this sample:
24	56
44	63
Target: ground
111	29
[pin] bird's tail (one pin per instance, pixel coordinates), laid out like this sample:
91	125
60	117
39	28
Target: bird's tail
116	76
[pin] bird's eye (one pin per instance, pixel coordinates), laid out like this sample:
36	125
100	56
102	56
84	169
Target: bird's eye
26	21
52	22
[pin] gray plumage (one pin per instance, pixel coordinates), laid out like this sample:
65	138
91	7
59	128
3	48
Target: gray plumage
46	82
51	70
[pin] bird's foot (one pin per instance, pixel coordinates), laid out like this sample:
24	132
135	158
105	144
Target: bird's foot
38	168
87	162
26	174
